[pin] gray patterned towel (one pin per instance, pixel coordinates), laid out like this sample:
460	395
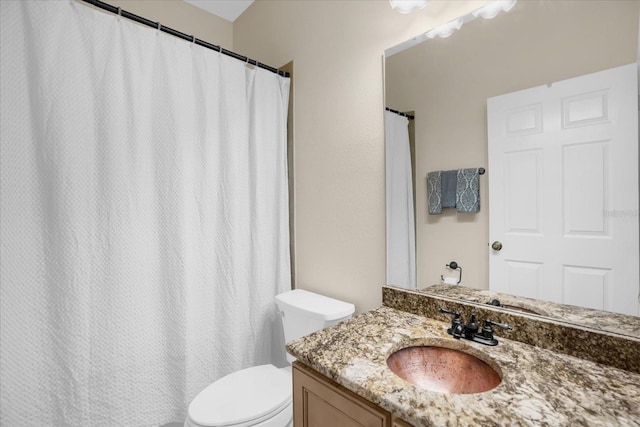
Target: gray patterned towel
468	191
434	192
449	186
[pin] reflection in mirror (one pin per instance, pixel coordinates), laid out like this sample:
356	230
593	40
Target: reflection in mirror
401	262
617	323
446	82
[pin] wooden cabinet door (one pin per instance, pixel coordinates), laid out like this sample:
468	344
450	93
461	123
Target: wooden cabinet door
320	402
397	422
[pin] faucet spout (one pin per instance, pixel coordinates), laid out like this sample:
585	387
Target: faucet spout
471	331
458	331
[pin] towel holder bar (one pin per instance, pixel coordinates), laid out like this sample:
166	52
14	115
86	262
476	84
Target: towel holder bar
453	266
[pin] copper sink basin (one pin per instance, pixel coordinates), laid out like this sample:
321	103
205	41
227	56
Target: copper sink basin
444	370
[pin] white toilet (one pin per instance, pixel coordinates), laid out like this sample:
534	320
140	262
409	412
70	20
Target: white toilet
261	396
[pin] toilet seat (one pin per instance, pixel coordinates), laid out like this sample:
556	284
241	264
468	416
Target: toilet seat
243	398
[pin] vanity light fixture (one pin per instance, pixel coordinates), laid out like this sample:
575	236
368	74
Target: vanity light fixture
407	6
492	9
488	11
444	30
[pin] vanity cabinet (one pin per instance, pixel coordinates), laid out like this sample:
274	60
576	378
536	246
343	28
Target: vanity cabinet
321	402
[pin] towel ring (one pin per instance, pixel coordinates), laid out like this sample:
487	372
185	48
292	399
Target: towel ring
453	266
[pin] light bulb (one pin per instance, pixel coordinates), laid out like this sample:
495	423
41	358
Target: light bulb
444	30
492	9
407	6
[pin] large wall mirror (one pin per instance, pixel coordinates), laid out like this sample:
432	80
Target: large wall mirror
444	83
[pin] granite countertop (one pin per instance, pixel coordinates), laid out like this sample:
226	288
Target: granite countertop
539	387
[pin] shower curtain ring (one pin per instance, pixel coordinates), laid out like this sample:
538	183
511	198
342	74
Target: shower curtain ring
119	11
193	39
159	26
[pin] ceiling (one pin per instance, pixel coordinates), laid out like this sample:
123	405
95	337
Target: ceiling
226	9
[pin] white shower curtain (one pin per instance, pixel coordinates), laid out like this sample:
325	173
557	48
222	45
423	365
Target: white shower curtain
401	243
144	218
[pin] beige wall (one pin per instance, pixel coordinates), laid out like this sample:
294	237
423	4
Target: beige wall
336	48
447	82
183	17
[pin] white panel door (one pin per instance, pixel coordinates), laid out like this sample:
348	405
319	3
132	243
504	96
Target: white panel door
563	184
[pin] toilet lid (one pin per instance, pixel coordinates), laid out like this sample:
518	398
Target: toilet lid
243	396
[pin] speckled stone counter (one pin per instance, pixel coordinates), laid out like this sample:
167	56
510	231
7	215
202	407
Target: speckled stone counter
598	319
539	387
544	332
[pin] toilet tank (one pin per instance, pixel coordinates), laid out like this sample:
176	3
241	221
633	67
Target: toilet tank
304	312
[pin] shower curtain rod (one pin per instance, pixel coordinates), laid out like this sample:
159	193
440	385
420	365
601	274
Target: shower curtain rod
176	33
408	116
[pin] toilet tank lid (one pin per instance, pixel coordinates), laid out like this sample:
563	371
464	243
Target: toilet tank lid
314	305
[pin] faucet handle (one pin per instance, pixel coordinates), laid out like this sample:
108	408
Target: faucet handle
488	324
456	314
486	335
456	323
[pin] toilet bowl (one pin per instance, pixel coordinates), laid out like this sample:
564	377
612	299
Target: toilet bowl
261	396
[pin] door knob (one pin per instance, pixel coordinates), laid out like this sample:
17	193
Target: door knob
496	246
